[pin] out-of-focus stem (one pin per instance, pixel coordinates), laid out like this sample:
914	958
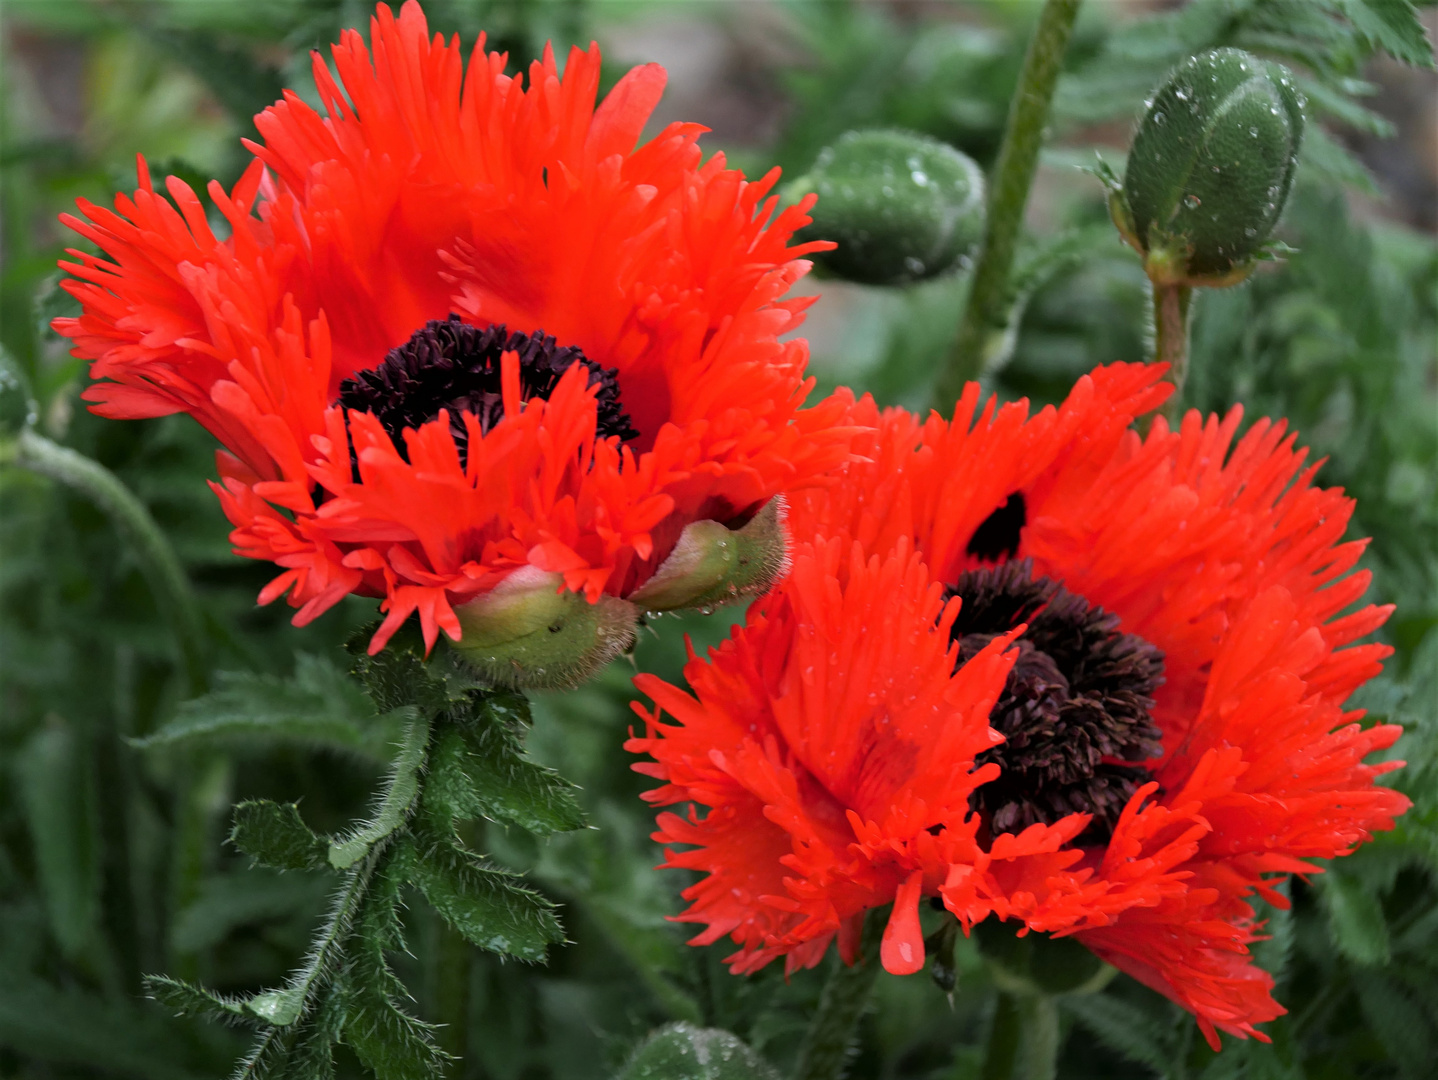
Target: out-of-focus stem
986	316
158	561
832	1031
1024	1041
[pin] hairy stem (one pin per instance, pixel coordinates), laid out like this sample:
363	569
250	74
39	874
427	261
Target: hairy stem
832	1032
158	561
981	338
1172	305
1024	1041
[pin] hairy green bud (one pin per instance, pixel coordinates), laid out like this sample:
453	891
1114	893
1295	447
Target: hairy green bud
712	564
529	632
1210	168
682	1051
901	206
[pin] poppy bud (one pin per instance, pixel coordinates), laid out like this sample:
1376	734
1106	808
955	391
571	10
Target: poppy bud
1210	168
682	1051
712	564
901	206
529	632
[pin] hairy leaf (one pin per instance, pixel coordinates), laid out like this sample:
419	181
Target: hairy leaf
186	999
275	835
477	771
487	905
1391	25
319	705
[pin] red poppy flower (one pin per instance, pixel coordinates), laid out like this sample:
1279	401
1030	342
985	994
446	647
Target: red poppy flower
461	327
1173	738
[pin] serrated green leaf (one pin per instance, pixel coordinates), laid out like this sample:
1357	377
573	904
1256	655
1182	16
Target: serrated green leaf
1393	26
319	705
683	1051
186	999
1136	1035
1355	915
477	771
275	835
487	905
391	1043
57	792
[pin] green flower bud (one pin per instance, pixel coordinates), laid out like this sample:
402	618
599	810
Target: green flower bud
901	206
529	632
684	1052
1210	168
712	564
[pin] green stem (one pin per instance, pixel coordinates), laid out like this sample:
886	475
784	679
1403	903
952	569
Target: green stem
832	1032
981	342
1172	306
158	561
1024	1041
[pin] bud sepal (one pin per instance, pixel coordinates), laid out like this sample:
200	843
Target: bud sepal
713	564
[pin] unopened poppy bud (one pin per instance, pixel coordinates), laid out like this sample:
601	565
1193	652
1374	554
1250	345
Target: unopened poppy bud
712	564
1210	168
682	1051
901	206
529	632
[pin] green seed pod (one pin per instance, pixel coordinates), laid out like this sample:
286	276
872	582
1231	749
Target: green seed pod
1211	167
901	206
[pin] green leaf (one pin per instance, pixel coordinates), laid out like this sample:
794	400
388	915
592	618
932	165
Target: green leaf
186	999
240	83
1400	1023
684	1052
1393	26
70	1027
58	796
1355	915
275	835
477	771
392	1043
487	905
319	705
1136	1035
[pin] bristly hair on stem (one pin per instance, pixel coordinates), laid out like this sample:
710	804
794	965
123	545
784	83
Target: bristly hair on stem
460	758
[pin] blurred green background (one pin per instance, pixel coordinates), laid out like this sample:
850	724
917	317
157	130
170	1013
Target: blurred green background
112	854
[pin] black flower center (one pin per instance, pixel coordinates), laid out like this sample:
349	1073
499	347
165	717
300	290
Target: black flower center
1075	709
449	364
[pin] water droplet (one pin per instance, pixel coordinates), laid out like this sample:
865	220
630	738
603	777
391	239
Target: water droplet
1253	131
1159	118
919	177
1192	201
913	265
1250	232
888	191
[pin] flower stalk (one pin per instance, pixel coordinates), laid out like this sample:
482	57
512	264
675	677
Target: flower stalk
834	1028
1172	309
982	337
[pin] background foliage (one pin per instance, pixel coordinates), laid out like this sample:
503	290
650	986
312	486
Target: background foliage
116	792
